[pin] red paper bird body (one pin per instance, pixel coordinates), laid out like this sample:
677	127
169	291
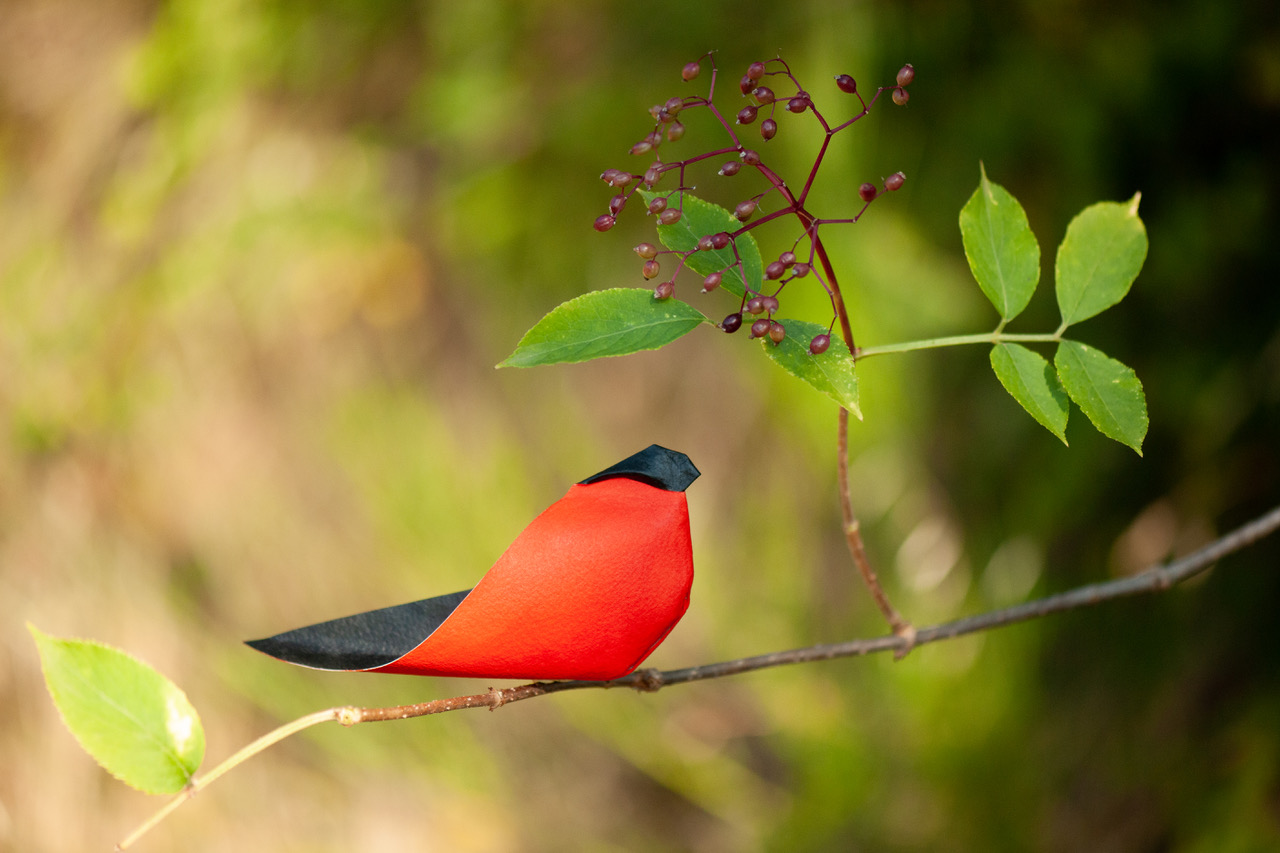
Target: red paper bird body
587	591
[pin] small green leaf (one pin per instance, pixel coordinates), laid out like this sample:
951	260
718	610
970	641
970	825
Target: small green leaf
603	323
1099	258
1003	253
832	373
1029	378
134	722
700	218
1106	390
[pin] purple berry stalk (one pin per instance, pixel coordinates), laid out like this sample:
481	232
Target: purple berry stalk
772	92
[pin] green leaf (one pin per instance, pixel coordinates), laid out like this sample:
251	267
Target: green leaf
700	218
135	722
832	373
1003	253
603	323
1106	390
1029	378
1099	258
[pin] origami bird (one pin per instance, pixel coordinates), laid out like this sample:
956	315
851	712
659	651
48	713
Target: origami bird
587	591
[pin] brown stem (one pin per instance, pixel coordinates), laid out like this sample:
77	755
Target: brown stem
1154	579
853	535
852	528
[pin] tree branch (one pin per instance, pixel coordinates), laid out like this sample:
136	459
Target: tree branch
1155	579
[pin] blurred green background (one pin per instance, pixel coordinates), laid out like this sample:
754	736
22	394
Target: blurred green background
258	258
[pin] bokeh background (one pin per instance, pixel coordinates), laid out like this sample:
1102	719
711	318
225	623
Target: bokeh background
258	259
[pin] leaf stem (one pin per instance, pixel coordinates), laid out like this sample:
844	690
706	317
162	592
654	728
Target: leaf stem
249	751
996	337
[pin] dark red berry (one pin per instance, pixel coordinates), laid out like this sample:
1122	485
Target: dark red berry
798	104
901	96
746	84
690	71
763	95
746	115
670	216
644	146
731	168
732	323
658	112
721	240
664	290
895	181
744	210
776	333
867	192
605	222
755	305
674	105
648	251
704	243
711	282
800	270
751	158
906	74
657	205
769	303
787	258
775	270
760	328
819	344
755	70
651	176
675	130
617	203
768	129
847	84
651	269
616	177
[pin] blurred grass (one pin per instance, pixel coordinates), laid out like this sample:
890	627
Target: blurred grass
257	260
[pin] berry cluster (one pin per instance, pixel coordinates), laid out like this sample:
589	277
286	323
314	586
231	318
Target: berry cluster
771	91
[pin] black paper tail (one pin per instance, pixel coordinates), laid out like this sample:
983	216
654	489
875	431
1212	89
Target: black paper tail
363	641
655	465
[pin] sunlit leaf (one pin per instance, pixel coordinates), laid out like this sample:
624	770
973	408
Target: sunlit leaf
1099	258
604	323
698	219
832	373
1030	379
135	722
1106	390
1003	253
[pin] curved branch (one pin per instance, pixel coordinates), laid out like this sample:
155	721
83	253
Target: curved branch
1155	579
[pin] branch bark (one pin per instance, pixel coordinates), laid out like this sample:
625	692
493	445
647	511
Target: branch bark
1154	579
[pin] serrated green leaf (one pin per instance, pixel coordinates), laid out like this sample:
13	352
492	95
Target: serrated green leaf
1101	255
604	323
1002	251
135	722
832	373
700	218
1029	379
1106	390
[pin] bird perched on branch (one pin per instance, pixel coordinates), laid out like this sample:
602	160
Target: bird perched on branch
587	591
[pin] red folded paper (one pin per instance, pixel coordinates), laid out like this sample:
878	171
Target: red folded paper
587	591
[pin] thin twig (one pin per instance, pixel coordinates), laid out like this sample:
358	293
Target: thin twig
1155	579
853	536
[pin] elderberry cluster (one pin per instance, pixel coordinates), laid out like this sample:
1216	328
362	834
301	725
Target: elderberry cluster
771	92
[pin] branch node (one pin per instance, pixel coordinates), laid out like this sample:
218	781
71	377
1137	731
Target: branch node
497	698
348	716
648	680
907	633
